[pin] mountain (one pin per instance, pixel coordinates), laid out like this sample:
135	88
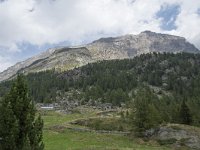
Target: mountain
165	88
172	78
127	46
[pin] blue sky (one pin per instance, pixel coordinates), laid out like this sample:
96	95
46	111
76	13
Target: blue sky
29	27
168	14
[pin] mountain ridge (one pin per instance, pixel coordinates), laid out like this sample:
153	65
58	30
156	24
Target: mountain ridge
121	47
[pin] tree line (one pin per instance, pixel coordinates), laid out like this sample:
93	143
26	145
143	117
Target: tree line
176	76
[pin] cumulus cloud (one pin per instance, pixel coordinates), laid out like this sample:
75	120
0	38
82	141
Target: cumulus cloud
40	22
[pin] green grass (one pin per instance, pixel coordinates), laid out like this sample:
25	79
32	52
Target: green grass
66	139
86	140
106	123
52	118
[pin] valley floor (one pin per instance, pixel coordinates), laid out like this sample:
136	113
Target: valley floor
59	136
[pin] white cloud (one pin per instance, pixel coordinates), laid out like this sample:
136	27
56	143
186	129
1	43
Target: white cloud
5	62
52	21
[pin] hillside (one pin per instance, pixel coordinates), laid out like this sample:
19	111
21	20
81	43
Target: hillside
102	97
172	77
127	46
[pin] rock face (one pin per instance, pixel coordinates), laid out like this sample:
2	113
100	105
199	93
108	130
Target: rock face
127	46
177	135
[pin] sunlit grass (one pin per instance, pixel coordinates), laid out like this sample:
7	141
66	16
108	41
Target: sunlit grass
66	139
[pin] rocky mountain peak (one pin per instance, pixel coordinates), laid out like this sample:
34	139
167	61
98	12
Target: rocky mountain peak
151	34
148	32
127	46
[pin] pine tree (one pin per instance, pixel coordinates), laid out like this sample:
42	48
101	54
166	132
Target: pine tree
185	116
153	116
36	134
21	111
8	127
144	114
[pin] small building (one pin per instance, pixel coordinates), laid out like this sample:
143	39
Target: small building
47	108
42	106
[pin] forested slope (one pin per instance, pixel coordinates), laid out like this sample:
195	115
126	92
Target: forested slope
172	77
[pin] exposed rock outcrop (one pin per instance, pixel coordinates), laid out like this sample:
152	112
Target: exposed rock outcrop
177	135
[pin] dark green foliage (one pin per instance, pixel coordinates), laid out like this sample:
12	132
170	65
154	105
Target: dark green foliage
177	73
35	135
185	116
42	86
19	126
114	81
8	127
144	113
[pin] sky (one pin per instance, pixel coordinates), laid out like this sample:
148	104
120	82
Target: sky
29	27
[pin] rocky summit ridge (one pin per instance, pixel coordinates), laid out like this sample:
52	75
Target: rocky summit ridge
127	46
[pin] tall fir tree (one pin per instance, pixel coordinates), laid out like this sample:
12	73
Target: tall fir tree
21	112
185	116
144	114
8	127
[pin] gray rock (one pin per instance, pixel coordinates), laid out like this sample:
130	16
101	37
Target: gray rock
182	136
127	46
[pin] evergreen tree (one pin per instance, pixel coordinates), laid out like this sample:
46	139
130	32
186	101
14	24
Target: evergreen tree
35	135
21	111
185	116
144	114
8	127
153	117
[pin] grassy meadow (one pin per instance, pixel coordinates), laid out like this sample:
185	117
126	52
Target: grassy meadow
58	137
